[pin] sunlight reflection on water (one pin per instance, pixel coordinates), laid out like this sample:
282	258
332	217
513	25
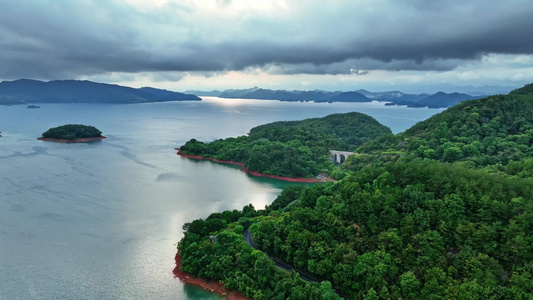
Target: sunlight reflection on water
101	220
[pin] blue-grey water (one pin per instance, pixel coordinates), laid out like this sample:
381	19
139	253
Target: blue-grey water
101	220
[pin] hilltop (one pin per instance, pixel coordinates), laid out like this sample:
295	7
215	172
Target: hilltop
26	91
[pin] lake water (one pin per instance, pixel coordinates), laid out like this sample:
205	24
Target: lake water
101	220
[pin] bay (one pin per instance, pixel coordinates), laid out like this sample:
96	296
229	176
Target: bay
102	220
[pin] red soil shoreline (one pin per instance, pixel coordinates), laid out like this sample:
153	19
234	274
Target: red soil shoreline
208	285
72	141
254	173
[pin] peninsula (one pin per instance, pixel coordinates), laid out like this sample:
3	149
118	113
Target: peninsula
254	173
72	133
290	150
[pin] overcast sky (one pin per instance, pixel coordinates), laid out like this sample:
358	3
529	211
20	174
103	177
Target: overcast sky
411	45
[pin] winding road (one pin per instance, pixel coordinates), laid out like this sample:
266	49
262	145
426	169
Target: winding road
278	263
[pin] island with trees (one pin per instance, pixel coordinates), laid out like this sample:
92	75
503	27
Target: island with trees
441	211
72	133
291	149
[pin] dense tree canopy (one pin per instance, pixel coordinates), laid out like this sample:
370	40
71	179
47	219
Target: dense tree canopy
441	211
232	261
293	149
72	132
496	130
413	230
352	128
525	90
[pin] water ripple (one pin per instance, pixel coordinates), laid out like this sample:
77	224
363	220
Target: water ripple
37	150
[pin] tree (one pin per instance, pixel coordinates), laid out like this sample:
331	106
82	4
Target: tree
371	295
238	229
452	154
410	285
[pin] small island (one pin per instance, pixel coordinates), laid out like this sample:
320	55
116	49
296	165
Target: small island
72	133
33	106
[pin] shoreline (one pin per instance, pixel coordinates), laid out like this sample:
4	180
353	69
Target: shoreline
72	141
254	173
208	285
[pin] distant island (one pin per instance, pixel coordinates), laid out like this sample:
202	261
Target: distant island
26	91
72	133
437	100
33	106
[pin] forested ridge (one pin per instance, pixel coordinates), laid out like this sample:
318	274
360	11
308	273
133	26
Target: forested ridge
293	148
494	132
410	218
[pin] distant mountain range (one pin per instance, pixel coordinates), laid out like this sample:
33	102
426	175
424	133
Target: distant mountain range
442	99
25	91
213	93
437	100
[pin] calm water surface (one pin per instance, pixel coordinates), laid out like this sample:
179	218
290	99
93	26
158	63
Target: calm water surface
101	220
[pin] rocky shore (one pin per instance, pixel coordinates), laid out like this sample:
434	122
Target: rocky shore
208	285
72	141
254	173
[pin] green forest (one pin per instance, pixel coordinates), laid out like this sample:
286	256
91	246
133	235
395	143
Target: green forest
293	148
494	133
441	211
72	132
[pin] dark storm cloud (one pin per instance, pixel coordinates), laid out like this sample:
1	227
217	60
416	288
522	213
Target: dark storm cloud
67	39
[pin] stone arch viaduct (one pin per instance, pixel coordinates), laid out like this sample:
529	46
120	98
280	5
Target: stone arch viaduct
339	156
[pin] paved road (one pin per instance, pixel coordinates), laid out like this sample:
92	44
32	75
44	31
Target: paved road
248	238
279	264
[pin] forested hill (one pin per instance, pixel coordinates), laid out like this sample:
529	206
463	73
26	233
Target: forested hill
525	90
353	128
25	91
441	211
416	230
293	148
497	130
